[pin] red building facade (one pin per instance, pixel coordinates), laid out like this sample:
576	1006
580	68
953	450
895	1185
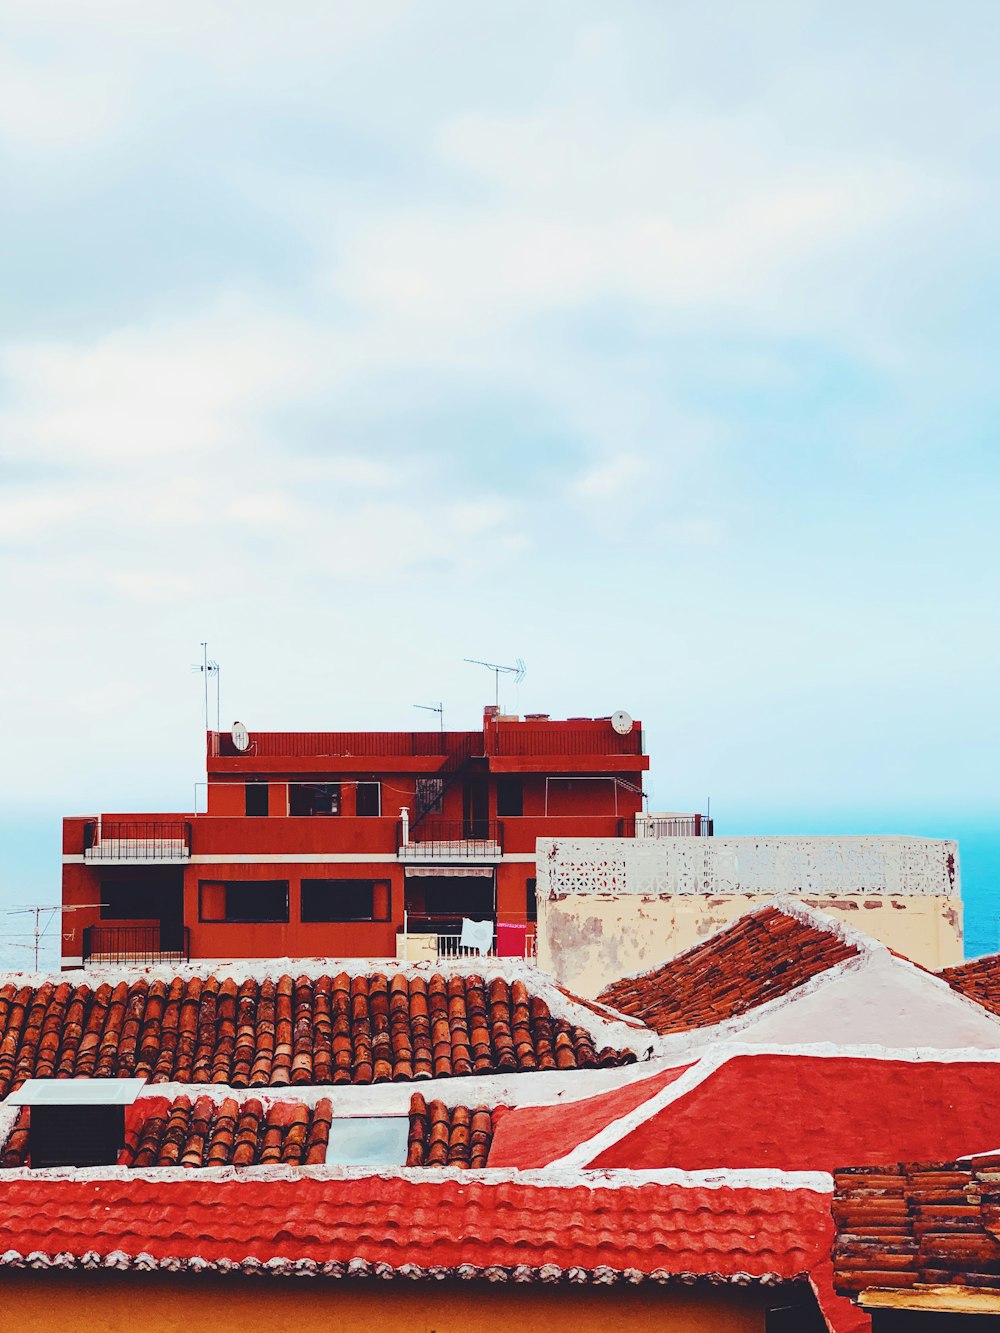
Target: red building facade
340	844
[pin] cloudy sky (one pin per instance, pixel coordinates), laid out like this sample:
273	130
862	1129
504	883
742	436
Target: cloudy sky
654	343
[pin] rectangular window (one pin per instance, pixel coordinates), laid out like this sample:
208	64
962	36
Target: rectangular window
125	900
243	900
368	1141
369	799
531	904
510	798
346	900
429	796
256	798
314	798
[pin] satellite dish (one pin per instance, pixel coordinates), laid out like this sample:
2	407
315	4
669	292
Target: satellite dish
621	722
241	737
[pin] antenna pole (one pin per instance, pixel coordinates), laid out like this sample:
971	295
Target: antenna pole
204	668
218	698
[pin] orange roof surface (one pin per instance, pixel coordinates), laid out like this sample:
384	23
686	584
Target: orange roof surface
762	956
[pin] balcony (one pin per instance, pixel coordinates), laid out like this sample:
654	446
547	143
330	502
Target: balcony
135	944
451	840
673	826
112	841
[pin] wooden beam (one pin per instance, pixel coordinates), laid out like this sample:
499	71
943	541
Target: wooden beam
950	1300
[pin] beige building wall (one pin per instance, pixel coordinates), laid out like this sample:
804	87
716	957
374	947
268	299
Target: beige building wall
587	940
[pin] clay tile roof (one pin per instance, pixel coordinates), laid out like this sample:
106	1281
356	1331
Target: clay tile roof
286	1031
432	1226
201	1132
450	1136
762	956
910	1225
978	979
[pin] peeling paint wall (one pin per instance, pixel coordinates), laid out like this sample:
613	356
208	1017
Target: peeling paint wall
589	939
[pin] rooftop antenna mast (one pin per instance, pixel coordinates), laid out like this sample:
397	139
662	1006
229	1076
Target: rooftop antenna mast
208	667
499	669
433	708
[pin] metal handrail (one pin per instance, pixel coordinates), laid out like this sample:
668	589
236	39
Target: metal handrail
129	944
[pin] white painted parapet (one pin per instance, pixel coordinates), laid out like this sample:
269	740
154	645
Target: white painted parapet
812	865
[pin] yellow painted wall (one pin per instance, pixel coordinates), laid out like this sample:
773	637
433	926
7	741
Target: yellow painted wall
587	940
103	1302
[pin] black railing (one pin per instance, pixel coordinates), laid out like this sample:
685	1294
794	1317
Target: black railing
455	837
137	839
671	826
136	944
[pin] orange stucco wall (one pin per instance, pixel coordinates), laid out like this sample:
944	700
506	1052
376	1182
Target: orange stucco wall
108	1302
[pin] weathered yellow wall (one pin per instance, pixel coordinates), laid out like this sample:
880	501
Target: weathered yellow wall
588	940
108	1302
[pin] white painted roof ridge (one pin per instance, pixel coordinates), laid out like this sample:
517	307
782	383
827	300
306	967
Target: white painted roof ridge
720	1055
819	1182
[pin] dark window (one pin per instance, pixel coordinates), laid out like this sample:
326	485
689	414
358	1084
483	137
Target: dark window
369	799
346	900
531	904
125	900
245	900
429	796
256	798
458	897
510	798
314	798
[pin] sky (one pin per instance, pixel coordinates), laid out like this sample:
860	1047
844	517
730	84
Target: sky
652	343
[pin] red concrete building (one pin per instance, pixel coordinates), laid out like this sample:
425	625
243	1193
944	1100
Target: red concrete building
351	844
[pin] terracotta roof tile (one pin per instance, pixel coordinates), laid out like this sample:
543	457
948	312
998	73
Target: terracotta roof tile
286	1031
200	1132
979	980
762	956
917	1224
346	1227
450	1136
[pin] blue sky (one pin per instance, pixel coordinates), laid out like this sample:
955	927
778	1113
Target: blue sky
652	343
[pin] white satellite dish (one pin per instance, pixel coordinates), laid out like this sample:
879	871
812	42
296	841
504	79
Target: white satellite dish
621	722
241	737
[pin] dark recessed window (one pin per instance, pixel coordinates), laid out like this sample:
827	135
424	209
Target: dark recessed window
256	798
429	796
458	897
369	799
244	900
346	900
314	798
126	900
531	904
510	798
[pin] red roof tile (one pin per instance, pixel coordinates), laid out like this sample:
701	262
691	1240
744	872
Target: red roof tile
762	956
907	1225
791	1112
286	1031
450	1136
201	1132
384	1224
978	979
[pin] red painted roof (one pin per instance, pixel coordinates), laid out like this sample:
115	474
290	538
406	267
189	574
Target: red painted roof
805	1113
790	1112
761	957
383	1224
534	1136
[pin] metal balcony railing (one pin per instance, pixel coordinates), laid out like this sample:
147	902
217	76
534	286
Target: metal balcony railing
673	826
137	840
452	839
135	944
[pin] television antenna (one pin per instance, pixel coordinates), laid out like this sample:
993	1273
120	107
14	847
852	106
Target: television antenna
499	669
433	708
208	667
